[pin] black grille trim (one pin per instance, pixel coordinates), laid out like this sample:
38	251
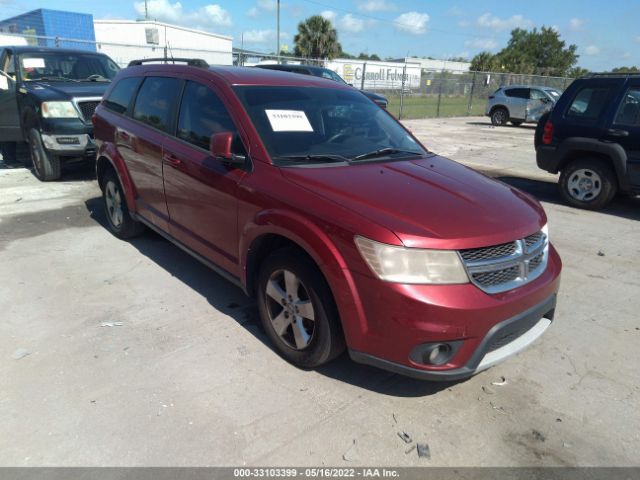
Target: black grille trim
87	108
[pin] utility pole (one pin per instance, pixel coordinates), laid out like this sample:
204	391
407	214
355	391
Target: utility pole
146	10
278	33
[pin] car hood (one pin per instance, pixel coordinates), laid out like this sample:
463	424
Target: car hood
66	90
430	202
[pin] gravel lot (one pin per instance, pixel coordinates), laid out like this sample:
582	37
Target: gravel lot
185	376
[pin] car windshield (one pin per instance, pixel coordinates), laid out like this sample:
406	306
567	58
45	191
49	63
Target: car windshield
71	67
314	125
555	94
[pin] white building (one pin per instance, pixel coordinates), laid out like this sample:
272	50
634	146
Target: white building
438	65
126	40
372	75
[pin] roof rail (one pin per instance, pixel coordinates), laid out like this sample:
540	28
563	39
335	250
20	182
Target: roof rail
193	62
613	74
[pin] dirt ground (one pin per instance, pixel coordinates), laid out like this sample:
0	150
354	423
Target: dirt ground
134	354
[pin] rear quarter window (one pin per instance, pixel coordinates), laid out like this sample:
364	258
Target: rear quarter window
121	94
588	104
517	93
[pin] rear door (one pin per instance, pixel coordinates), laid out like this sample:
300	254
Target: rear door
517	103
201	190
140	144
625	129
9	118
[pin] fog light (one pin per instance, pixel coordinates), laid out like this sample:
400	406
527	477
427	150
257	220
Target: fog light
68	140
435	353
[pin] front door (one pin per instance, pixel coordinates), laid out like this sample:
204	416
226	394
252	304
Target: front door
9	118
201	190
539	104
140	144
626	130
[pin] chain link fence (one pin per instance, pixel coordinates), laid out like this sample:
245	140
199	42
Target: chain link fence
413	92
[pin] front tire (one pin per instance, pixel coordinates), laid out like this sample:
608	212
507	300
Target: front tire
588	183
121	224
499	117
297	309
46	166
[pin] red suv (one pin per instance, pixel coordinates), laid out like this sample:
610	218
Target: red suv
346	229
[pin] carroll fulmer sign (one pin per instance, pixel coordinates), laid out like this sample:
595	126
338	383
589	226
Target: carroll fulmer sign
377	74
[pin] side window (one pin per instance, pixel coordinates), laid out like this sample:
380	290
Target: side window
122	93
8	65
155	102
202	114
588	103
629	111
538	95
517	93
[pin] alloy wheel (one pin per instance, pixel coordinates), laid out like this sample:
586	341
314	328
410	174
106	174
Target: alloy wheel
114	204
290	309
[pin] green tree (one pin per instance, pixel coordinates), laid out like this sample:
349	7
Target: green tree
316	38
625	70
483	62
577	72
540	52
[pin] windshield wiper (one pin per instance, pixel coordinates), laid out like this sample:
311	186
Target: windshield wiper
96	77
383	152
324	157
64	79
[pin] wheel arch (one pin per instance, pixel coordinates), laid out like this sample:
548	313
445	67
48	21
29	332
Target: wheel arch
273	230
610	153
106	162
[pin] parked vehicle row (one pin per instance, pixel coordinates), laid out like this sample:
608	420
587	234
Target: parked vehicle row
520	104
346	229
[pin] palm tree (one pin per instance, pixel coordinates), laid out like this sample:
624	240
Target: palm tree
316	38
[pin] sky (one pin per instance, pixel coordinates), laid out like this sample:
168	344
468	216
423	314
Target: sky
606	33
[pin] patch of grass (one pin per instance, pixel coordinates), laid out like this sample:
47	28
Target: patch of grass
427	106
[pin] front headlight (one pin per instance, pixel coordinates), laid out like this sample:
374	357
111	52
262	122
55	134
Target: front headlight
412	265
59	110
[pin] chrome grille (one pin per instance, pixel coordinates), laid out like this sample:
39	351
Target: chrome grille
499	268
497	277
488	253
87	109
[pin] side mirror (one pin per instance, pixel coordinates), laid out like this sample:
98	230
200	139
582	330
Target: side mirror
220	147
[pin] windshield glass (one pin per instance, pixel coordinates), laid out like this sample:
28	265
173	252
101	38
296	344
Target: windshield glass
61	66
554	94
303	124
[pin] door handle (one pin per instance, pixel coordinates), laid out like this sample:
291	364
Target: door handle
124	135
171	160
614	132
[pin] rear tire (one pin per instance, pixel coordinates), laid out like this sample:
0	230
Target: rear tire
121	224
291	290
499	117
588	183
46	166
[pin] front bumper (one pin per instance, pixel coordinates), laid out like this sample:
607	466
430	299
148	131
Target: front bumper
399	320
513	334
69	144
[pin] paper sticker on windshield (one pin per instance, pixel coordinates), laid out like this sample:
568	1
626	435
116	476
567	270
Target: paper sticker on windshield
288	121
33	62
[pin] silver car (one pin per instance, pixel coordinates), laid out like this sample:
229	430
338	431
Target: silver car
520	103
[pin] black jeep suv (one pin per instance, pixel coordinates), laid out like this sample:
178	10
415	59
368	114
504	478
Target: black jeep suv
47	98
592	137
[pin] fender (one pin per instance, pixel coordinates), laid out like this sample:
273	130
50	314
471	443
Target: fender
612	150
322	250
108	152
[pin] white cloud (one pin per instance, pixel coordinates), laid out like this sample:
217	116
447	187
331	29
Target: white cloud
626	55
267	5
351	24
329	15
576	24
464	23
482	43
212	15
637	39
253	12
375	6
516	21
555	28
592	50
263	36
412	22
455	11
